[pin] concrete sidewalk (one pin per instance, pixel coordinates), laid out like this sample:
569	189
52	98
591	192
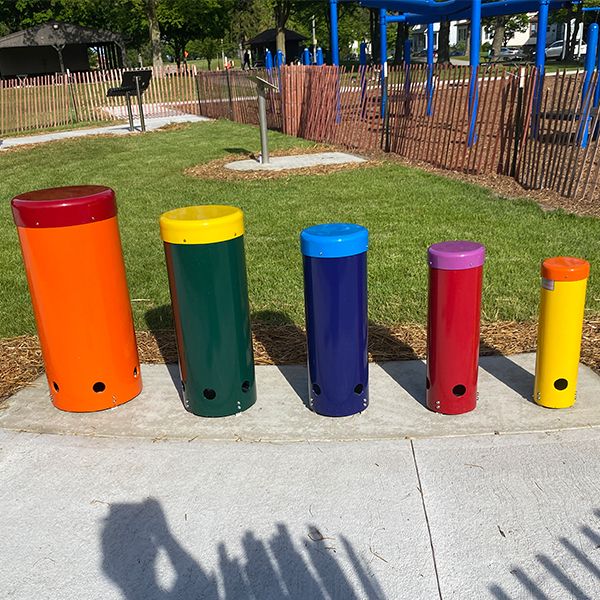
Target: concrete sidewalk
148	502
152	124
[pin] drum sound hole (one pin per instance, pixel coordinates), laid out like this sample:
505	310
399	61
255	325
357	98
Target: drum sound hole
245	386
459	390
135	372
561	384
55	386
316	389
210	394
427	383
359	389
98	387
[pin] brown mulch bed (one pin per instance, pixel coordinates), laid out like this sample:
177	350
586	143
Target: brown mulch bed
216	170
21	359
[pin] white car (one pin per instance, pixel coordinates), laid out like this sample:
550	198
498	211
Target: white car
555	50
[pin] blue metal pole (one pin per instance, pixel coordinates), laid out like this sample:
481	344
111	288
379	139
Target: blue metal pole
319	57
590	63
430	42
306	56
363	54
407	48
335	42
474	61
383	50
540	62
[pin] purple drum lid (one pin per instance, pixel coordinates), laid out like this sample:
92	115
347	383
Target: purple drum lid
456	255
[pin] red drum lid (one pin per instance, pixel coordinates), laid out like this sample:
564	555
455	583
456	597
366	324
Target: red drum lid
64	206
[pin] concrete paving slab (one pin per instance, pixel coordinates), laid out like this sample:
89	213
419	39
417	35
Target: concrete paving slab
120	518
396	410
299	161
152	124
514	516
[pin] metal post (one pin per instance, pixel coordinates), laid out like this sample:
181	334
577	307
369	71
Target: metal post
140	105
335	43
430	42
474	62
314	41
262	121
590	63
383	57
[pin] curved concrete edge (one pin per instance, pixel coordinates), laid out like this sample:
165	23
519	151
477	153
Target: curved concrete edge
396	409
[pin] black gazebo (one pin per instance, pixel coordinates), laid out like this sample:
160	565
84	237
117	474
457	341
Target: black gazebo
57	47
267	40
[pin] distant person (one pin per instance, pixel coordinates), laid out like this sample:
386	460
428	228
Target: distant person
246	60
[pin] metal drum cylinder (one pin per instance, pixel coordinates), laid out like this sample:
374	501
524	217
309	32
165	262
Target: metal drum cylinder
455	281
564	282
72	252
335	295
204	248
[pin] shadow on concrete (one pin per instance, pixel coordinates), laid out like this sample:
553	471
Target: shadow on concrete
385	347
159	321
505	370
144	559
285	345
549	569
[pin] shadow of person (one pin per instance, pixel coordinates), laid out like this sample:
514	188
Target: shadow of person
134	538
505	370
159	321
284	344
385	347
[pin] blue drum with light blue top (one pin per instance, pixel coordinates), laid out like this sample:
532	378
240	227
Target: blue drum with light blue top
335	297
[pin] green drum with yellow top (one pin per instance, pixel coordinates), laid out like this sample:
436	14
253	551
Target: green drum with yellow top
204	249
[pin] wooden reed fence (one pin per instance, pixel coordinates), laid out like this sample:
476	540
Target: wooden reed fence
62	100
525	128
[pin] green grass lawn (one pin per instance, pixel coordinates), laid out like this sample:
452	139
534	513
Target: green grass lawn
405	210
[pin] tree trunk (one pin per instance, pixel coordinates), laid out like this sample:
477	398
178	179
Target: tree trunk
280	39
499	33
374	25
154	28
401	35
444	42
573	42
282	14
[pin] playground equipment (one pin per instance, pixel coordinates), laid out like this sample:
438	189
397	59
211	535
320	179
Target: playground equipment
335	294
427	12
564	282
455	280
72	253
204	250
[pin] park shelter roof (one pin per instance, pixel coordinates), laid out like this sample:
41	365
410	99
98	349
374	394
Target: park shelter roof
269	35
58	34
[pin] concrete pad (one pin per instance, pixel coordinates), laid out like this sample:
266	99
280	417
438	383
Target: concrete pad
116	518
299	161
514	516
152	124
396	411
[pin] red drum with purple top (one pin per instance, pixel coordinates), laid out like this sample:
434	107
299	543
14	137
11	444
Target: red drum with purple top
455	281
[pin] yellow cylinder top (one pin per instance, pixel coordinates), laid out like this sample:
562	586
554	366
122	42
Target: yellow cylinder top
565	268
207	224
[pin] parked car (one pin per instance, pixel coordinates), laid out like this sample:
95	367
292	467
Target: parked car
555	50
507	54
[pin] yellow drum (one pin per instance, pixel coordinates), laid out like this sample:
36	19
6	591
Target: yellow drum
564	282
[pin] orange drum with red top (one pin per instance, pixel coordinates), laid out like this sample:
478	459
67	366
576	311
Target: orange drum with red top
72	252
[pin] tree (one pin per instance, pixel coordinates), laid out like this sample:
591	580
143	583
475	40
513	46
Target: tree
282	10
504	28
444	42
